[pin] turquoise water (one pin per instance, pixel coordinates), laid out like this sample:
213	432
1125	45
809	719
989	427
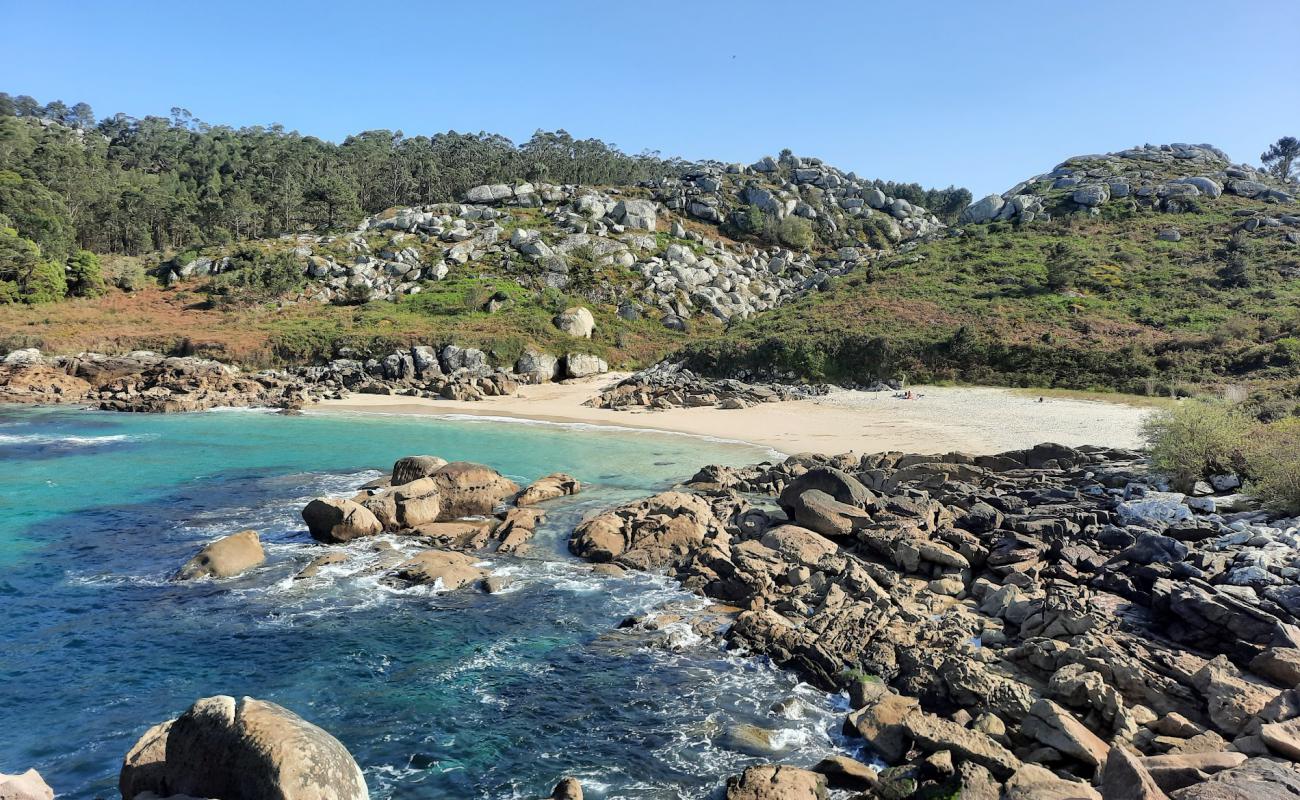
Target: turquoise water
438	695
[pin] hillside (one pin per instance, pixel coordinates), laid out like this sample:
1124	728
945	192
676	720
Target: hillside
660	261
1139	271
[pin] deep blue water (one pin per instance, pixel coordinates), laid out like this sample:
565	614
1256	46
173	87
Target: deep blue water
437	695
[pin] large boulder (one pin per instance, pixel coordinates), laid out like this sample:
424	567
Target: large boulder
636	214
837	483
25	786
241	750
1055	727
471	490
334	521
1125	778
1032	782
584	365
646	534
776	782
227	556
982	211
576	321
537	367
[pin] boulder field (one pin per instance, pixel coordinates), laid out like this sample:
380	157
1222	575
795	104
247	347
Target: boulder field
1043	623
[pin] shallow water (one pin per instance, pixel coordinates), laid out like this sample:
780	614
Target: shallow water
437	695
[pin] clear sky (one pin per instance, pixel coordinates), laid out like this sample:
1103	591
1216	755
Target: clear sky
972	93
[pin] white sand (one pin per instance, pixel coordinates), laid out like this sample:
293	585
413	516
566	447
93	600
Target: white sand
940	419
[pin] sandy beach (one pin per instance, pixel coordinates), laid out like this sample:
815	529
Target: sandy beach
940	419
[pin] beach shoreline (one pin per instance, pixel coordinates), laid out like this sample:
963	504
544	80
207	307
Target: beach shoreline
939	419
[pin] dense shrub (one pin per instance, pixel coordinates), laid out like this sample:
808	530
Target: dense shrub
1197	439
255	276
795	232
1274	460
85	276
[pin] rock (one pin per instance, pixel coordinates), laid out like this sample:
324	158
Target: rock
1091	195
412	468
881	721
983	211
444	569
1125	778
567	789
1232	697
224	558
835	482
537	367
1176	771
583	365
843	772
931	734
1032	782
1055	727
1280	665
1169	235
550	487
1283	738
751	740
636	214
576	321
1255	779
471	490
776	782
221	748
316	565
25	786
336	521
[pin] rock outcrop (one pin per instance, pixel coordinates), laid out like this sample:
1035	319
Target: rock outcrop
1031	619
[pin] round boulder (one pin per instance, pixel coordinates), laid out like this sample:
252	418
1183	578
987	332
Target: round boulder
335	521
576	321
240	750
225	557
413	468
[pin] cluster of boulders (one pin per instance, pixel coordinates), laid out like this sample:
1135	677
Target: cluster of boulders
450	372
671	385
1172	178
791	186
145	381
1039	623
456	509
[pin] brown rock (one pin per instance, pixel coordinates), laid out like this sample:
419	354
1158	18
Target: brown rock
880	721
548	488
1032	782
465	534
1280	665
247	749
471	490
931	734
843	772
1125	778
1171	772
224	558
776	782
1055	727
449	569
1232	698
335	521
144	768
1283	738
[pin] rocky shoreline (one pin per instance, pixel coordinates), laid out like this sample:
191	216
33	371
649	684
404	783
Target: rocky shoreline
1041	623
145	381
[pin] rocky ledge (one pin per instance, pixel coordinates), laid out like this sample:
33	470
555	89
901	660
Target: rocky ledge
672	385
1043	623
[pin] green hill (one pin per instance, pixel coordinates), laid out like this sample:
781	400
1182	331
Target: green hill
1150	283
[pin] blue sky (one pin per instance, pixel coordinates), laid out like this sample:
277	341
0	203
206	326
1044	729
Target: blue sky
977	94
